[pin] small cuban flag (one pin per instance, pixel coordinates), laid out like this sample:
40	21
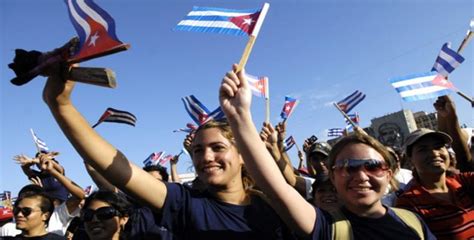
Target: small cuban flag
224	21
259	86
288	107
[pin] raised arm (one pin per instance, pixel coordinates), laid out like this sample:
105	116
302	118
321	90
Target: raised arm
174	169
99	180
235	99
76	191
26	163
448	122
96	151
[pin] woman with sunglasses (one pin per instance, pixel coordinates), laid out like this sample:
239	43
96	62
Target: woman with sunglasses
224	210
105	214
359	167
32	212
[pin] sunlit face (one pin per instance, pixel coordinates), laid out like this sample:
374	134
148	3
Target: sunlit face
108	228
317	163
325	197
30	218
429	156
216	160
359	189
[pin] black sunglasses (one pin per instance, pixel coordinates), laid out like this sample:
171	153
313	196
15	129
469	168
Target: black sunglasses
102	213
26	211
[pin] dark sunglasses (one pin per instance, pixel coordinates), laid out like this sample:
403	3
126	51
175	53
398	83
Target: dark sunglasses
102	213
26	211
372	167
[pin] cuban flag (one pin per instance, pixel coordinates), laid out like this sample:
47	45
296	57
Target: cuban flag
288	143
153	159
354	118
288	107
419	86
40	144
165	159
348	103
335	132
89	190
447	60
189	128
224	21
198	112
117	116
259	86
96	30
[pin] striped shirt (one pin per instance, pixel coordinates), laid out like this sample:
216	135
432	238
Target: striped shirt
447	220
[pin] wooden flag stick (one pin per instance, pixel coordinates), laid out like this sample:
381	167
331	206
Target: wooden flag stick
103	77
345	115
464	42
267	110
246	54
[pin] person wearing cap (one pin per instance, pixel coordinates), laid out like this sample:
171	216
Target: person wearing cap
443	200
316	157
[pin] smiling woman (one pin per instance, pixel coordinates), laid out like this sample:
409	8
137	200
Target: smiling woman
105	214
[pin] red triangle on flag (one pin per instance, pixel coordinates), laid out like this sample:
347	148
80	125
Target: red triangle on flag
246	22
441	81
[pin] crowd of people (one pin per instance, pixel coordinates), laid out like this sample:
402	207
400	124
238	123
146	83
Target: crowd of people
246	186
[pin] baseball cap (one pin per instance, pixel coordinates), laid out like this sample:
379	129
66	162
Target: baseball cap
422	132
320	147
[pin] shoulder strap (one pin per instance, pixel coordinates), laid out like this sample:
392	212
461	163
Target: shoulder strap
341	227
410	219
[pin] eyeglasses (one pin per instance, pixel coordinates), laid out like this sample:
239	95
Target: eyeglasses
102	213
371	167
26	211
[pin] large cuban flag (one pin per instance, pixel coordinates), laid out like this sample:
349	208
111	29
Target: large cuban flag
420	86
224	21
96	30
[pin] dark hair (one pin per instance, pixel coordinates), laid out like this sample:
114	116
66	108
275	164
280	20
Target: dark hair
116	200
158	168
363	139
30	188
223	126
46	203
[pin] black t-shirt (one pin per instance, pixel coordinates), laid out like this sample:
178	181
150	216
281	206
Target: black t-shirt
49	236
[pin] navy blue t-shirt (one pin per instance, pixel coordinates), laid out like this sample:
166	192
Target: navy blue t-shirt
189	214
387	227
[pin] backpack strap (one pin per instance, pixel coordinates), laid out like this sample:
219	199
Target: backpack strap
341	227
411	220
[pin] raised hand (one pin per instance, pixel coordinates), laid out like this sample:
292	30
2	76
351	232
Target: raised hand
445	108
174	160
188	141
57	90
268	135
24	160
234	94
36	181
281	129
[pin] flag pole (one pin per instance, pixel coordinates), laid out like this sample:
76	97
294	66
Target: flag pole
464	42
33	136
267	110
345	115
253	37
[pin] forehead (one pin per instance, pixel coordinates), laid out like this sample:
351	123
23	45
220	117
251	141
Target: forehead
359	151
209	136
29	202
95	204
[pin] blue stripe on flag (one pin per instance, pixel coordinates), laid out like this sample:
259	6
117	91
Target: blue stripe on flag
230	31
426	96
207	18
415	86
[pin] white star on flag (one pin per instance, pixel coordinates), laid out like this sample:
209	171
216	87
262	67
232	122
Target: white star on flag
93	38
248	21
287	108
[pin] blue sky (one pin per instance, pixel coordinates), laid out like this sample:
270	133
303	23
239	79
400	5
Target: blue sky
317	51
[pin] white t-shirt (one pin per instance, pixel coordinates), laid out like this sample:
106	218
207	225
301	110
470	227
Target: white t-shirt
9	230
60	219
403	176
